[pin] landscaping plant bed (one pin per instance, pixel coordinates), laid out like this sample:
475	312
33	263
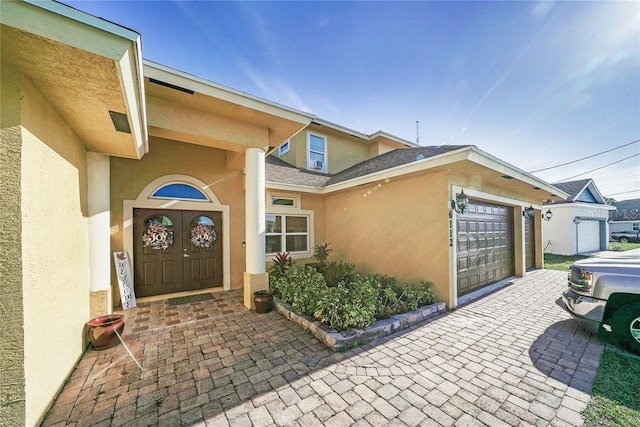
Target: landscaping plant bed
340	341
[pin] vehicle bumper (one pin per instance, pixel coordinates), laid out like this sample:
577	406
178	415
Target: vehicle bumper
586	310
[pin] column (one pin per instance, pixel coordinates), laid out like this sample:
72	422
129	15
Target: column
255	276
99	209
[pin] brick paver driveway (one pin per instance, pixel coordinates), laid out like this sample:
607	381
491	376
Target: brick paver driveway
510	358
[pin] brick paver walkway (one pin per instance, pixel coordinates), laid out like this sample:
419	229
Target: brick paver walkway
511	358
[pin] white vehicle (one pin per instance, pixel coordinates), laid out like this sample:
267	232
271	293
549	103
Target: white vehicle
604	296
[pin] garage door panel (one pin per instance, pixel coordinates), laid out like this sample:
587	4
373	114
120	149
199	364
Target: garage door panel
588	236
485	246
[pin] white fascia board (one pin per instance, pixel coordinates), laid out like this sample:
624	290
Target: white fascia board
340	128
407	168
594	188
361	135
393	138
64	24
270	185
188	81
131	80
485	159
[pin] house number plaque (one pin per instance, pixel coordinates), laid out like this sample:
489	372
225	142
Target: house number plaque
123	271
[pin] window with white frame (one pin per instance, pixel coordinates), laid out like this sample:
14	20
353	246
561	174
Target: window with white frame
283	201
317	155
284	148
287	233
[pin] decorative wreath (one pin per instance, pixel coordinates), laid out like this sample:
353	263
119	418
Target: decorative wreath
158	236
203	236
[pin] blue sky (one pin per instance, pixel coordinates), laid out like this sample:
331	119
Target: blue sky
535	84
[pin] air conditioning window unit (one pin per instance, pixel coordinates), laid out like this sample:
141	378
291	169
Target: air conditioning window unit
317	164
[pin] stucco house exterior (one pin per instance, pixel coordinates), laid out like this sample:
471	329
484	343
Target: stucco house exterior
579	224
625	216
104	152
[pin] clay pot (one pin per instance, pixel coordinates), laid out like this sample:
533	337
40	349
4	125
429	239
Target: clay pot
263	301
101	331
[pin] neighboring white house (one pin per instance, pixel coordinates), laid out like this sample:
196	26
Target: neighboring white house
579	224
626	216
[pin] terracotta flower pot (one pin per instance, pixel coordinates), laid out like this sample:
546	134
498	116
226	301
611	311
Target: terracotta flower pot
101	331
263	301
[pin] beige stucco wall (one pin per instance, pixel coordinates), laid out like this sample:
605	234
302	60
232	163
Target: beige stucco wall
12	382
165	157
343	151
397	227
55	261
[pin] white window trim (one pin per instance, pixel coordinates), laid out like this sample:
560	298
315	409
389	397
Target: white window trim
284	148
326	150
272	195
288	211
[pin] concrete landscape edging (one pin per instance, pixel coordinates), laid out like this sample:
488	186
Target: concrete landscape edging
338	341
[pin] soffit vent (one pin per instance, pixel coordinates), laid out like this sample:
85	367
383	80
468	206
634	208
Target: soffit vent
120	121
507	177
170	86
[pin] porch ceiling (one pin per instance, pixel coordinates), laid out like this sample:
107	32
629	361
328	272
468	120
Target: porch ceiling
189	109
85	67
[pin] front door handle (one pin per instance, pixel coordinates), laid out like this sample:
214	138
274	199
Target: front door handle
186	255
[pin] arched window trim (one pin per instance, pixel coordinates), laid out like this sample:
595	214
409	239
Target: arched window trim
153	195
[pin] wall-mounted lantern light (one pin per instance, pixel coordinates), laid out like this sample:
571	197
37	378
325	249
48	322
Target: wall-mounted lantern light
609	220
460	203
547	215
529	212
576	220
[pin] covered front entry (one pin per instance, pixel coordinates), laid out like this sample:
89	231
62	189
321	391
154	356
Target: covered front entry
484	245
176	250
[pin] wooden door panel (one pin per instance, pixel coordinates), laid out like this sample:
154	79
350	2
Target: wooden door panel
155	271
202	265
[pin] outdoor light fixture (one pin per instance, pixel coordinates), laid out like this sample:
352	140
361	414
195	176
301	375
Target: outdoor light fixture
609	220
547	215
529	212
460	203
576	220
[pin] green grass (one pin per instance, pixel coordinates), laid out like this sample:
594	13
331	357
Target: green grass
560	262
619	247
615	399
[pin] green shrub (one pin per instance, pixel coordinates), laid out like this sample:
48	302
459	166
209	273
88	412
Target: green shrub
396	296
349	304
336	272
303	288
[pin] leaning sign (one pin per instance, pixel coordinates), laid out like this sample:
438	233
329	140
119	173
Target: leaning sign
123	270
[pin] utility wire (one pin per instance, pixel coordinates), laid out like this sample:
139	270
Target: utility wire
624	192
601	167
585	158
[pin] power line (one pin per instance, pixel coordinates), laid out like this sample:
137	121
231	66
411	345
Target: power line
588	157
624	192
601	167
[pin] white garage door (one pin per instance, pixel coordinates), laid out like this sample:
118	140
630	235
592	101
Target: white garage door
588	236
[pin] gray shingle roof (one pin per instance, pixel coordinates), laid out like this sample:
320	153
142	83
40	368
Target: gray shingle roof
278	170
572	188
626	210
391	159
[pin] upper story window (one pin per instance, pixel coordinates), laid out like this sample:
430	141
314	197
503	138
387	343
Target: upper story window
284	148
317	152
635	226
179	191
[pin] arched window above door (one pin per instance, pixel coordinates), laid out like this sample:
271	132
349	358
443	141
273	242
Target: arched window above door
179	191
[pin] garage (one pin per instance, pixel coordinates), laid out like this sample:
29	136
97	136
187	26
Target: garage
588	236
484	245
